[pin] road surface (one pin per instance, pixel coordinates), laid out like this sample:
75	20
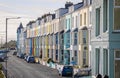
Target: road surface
18	68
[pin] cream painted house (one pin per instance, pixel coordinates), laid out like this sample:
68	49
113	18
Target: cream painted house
84	35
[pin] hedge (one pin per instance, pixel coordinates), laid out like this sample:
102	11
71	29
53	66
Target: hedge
1	73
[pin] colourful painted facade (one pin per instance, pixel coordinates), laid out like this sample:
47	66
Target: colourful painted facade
86	33
53	35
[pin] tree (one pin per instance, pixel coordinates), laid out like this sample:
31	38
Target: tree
10	44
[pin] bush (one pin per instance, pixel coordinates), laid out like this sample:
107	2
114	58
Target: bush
1	74
0	66
85	66
76	66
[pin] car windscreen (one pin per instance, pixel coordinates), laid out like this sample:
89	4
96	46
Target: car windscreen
68	68
31	58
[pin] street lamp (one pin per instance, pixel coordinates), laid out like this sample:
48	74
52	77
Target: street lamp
6	38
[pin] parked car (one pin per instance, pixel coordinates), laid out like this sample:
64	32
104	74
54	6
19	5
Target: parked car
18	54
3	57
15	53
25	58
12	49
1	60
67	71
84	72
30	59
21	56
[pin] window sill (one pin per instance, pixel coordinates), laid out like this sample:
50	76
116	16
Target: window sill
116	31
105	31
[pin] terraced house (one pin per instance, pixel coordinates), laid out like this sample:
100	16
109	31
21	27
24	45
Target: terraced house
20	39
84	34
60	36
105	38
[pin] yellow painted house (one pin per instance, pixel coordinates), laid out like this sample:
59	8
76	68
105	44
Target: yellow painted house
83	36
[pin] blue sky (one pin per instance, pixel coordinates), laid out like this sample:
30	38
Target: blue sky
32	7
28	10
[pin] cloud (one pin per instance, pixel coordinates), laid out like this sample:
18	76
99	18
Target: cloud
4	5
33	7
28	10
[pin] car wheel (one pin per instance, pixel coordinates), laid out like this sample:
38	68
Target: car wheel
60	74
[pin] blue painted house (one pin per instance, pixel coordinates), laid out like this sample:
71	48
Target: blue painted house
59	38
29	38
105	38
67	40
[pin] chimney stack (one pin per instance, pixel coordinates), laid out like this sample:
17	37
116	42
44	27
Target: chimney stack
68	4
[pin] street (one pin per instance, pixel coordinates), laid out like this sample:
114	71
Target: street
18	68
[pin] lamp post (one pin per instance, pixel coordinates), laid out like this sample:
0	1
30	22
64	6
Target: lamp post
6	39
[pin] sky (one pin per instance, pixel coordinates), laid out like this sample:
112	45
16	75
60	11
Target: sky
26	9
